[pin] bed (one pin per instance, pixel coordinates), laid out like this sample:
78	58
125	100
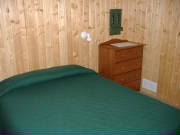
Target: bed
73	100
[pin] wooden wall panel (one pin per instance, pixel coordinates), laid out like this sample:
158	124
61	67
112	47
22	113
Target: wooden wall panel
169	73
36	34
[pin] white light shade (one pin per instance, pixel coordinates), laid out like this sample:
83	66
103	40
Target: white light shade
83	35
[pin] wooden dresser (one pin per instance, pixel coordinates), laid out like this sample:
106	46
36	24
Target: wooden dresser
122	64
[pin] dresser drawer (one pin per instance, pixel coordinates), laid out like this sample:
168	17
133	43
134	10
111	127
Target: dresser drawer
126	54
126	66
128	77
121	64
135	85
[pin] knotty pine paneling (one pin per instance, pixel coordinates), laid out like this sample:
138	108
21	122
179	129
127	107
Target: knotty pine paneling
169	73
36	34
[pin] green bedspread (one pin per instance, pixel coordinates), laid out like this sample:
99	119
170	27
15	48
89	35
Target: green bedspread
72	100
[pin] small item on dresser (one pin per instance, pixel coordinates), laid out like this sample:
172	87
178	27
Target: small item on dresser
121	61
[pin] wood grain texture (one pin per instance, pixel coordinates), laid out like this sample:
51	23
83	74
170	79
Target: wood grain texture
36	34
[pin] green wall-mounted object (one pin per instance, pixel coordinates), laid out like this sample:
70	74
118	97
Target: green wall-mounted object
115	21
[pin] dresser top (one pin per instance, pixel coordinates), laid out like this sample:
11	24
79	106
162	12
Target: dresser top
120	44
